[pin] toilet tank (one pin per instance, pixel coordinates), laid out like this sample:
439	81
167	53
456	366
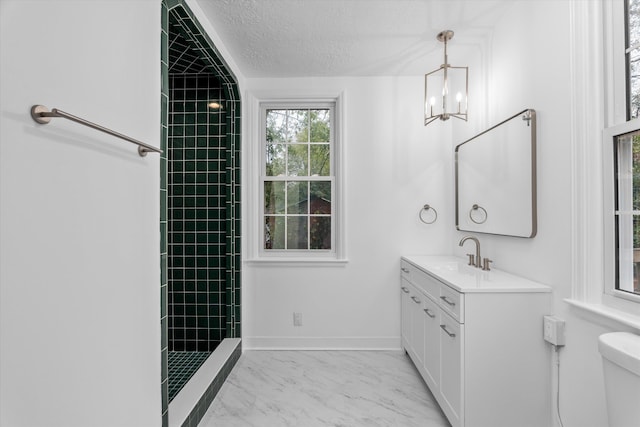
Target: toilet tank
621	363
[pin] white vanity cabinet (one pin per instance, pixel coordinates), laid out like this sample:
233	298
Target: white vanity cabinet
476	339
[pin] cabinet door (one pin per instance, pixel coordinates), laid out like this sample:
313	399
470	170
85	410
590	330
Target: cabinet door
451	365
432	330
405	295
417	325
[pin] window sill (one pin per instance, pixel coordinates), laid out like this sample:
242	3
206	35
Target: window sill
601	312
297	262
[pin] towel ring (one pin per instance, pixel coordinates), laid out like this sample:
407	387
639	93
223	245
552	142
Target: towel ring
478	208
426	208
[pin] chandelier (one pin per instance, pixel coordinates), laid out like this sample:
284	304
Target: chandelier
446	89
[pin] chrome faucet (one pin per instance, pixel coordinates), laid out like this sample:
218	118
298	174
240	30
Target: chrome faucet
478	259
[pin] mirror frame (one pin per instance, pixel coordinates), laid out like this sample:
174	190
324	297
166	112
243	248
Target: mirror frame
531	114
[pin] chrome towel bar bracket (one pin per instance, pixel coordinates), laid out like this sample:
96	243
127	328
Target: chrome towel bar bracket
43	115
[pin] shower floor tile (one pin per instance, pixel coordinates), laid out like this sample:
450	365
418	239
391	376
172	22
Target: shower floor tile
182	366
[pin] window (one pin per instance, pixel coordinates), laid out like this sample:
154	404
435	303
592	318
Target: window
627	211
298	179
622	173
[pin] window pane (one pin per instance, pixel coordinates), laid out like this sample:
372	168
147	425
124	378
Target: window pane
275	159
320	197
633	57
320	160
320	126
635	170
298	160
298	126
297	232
634	286
274	197
276	125
628	211
274	230
297	197
633	20
320	233
628	171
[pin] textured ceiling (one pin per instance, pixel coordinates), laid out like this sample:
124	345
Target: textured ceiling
294	38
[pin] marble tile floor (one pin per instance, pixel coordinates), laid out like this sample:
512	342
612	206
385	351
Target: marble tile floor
324	388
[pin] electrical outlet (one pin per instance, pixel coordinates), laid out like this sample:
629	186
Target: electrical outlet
553	331
297	319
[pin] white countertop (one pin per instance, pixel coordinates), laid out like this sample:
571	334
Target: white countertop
456	273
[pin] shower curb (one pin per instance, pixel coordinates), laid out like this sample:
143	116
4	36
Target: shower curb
204	385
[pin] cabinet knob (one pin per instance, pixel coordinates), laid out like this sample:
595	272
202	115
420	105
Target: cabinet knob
416	300
448	301
406	270
405	290
444	328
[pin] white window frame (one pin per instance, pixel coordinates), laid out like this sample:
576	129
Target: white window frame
255	252
264	107
611	294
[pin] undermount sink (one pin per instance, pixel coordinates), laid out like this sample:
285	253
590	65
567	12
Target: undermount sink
452	266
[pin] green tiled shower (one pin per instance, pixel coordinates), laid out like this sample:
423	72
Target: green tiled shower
197	213
200	197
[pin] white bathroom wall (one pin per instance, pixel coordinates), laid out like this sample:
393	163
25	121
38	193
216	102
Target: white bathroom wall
529	67
79	215
393	165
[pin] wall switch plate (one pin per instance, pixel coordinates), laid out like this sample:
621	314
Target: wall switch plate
553	331
297	319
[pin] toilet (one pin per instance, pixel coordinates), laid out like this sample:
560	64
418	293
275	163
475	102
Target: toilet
621	363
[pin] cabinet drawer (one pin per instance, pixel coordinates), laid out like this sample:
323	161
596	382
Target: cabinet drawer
426	284
405	270
452	302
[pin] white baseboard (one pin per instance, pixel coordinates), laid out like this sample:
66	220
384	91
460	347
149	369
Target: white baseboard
321	343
